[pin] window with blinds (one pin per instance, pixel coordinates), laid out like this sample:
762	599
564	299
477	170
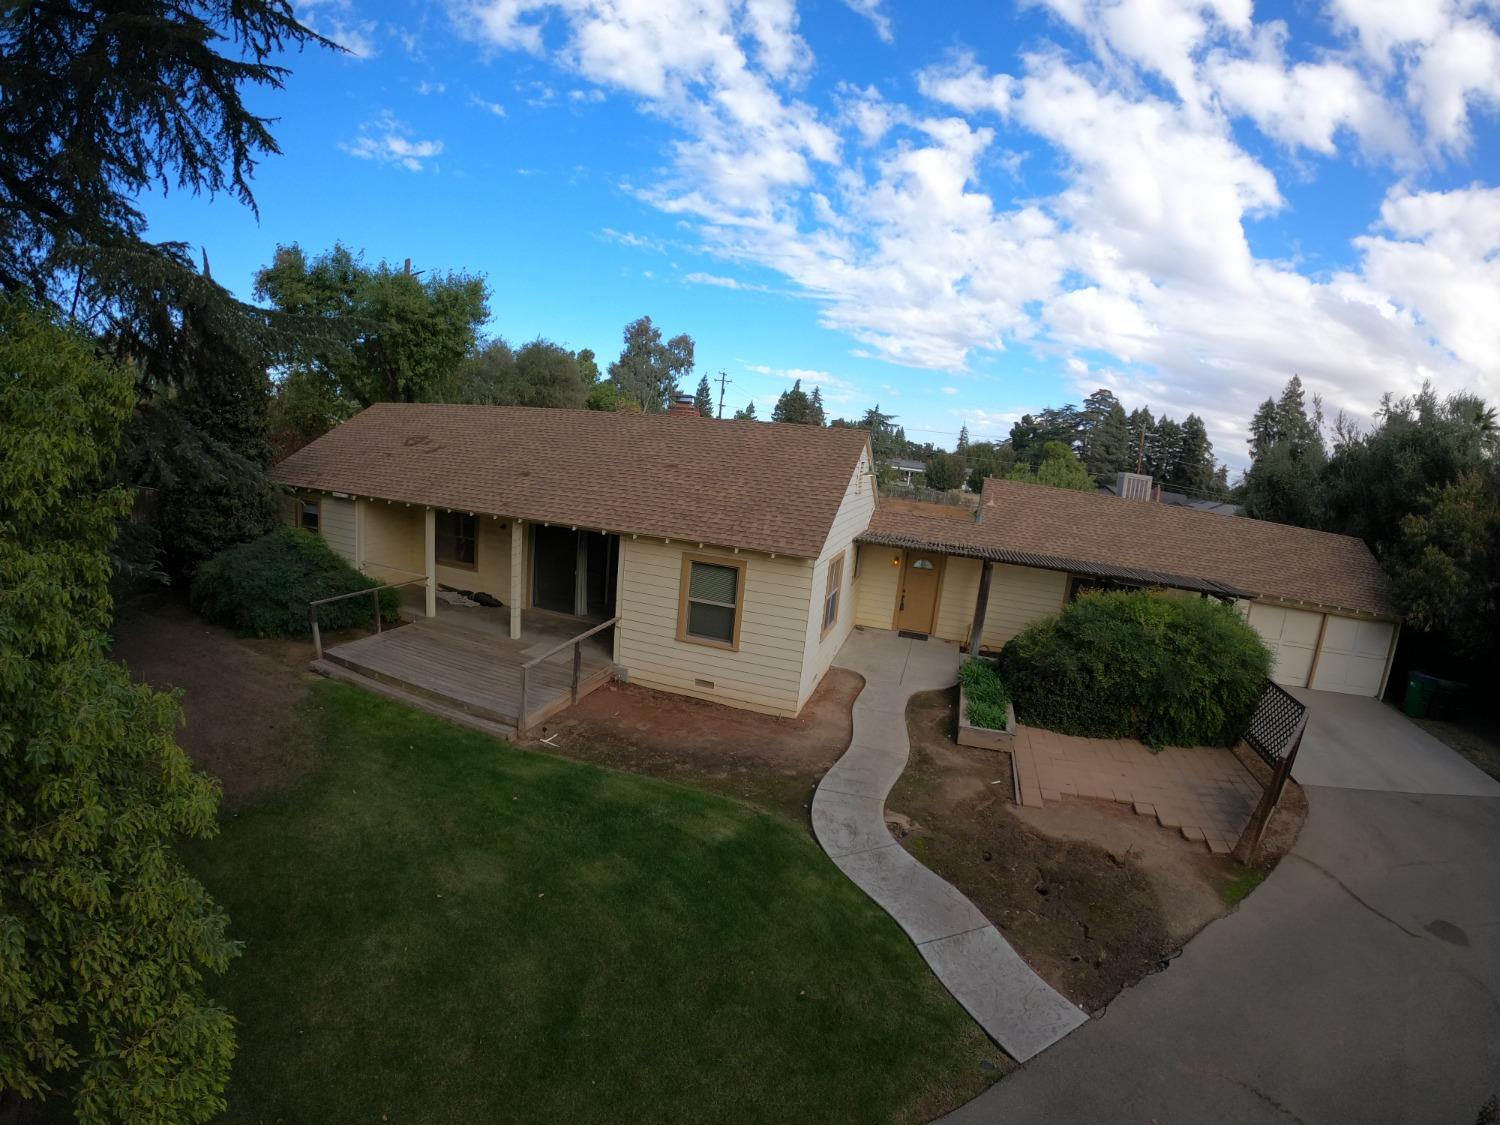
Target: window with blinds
832	592
456	537
309	515
711	599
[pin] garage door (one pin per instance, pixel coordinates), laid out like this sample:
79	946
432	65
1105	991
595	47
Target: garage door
1292	637
1353	656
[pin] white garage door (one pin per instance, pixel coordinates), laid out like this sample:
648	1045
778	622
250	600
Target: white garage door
1292	637
1353	656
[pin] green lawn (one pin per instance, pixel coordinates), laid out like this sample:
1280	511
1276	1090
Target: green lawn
440	928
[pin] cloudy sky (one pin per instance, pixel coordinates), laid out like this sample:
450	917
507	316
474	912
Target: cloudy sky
959	211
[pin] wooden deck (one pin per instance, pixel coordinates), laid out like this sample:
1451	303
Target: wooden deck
464	660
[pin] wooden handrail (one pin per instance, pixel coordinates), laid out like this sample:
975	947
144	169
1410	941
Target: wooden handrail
577	644
372	591
555	649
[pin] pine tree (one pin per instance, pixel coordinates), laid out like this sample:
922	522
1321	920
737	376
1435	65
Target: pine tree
747	414
816	414
1264	431
795	407
1196	459
1109	445
1166	454
963	440
1141	451
703	398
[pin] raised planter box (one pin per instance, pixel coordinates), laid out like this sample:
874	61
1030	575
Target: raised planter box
986	738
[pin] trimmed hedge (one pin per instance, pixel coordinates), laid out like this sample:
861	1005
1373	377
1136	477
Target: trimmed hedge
985	694
261	588
1169	671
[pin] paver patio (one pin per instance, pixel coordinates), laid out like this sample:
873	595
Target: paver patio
1203	791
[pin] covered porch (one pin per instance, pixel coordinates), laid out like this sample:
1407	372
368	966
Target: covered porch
480	662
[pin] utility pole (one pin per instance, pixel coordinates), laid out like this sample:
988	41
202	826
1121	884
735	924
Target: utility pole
723	380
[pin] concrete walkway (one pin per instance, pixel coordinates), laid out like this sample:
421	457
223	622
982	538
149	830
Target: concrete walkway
1018	1009
1361	982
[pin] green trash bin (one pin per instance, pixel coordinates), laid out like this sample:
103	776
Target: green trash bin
1419	690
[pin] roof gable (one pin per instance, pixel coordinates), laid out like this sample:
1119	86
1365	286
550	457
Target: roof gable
754	485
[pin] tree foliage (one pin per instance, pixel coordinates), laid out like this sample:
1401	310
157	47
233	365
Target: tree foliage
747	414
105	938
394	336
541	373
648	371
1059	468
798	407
944	471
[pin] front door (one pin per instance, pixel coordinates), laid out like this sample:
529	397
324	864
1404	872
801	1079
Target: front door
921	571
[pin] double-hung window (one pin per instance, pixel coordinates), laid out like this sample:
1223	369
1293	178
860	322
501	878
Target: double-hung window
833	592
308	511
712	598
457	539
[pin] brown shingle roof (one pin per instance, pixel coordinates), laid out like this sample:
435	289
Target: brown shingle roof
1058	529
753	485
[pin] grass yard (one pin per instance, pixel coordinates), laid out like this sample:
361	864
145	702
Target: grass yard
439	928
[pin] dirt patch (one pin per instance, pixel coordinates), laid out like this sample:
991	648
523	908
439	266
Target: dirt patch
239	697
773	763
1477	739
1093	896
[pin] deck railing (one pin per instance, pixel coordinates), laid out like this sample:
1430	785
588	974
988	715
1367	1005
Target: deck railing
373	592
577	643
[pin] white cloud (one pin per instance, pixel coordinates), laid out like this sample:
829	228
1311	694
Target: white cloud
1135	269
835	389
871	10
494	108
721	282
425	88
337	20
388	140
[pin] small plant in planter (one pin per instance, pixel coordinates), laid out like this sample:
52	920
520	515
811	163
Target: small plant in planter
985	715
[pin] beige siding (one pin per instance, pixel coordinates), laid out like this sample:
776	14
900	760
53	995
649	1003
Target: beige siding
853	518
492	561
764	675
875	592
955	612
391	539
1020	595
336	523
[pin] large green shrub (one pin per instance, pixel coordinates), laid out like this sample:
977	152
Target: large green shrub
261	589
1170	671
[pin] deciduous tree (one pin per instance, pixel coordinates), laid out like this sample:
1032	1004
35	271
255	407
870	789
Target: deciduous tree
105	938
648	371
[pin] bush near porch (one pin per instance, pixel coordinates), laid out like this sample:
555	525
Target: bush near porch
261	588
1167	670
985	692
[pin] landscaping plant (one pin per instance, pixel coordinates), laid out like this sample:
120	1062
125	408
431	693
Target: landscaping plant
262	589
1168	670
984	693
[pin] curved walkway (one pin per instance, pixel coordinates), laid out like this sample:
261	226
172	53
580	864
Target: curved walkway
1018	1009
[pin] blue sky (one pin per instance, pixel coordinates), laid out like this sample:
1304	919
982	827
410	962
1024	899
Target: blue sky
960	211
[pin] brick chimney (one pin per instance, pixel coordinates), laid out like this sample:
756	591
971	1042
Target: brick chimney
683	404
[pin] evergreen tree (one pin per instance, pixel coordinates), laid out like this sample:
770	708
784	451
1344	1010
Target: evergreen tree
885	438
1293	422
1059	468
944	471
1142	451
703	398
816	413
107	937
648	370
1196	457
1109	444
1264	432
963	440
793	406
1166	452
747	414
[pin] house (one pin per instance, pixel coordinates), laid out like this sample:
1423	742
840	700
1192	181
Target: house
729	560
1317	599
904	469
723	548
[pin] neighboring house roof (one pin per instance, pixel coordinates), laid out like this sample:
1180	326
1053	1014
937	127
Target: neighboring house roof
1133	540
903	463
1167	496
753	485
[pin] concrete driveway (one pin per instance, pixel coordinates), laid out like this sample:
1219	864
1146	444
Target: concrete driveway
1361	982
1358	743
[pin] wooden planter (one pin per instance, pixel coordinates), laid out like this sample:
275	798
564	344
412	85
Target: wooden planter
986	738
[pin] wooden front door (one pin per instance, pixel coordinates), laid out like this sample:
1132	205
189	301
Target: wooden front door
921	575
